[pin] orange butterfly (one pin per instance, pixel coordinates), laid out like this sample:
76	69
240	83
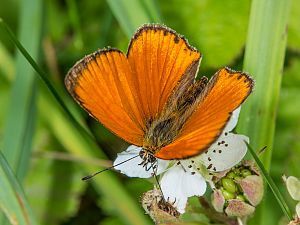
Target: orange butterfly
150	98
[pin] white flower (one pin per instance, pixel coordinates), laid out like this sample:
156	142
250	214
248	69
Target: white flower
180	182
185	179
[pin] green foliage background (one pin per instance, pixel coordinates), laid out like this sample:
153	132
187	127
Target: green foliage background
47	152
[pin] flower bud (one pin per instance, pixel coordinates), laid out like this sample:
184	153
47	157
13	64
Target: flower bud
238	190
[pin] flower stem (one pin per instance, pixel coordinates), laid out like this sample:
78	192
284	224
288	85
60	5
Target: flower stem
272	185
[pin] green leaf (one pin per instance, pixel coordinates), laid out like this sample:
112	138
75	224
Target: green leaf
218	30
12	200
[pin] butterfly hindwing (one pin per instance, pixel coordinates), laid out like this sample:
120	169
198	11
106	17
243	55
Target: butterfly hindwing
223	94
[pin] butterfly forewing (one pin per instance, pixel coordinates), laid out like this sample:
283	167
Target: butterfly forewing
158	57
102	83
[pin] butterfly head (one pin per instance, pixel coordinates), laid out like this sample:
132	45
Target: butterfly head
148	160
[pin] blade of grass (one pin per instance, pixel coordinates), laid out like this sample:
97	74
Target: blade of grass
12	200
19	126
17	137
25	150
264	58
144	12
43	77
272	185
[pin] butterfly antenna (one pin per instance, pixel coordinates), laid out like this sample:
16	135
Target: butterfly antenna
108	168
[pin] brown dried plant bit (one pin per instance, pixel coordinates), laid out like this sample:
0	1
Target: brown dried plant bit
159	210
295	221
238	190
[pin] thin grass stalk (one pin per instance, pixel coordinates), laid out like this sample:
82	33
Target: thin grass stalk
17	137
12	199
281	201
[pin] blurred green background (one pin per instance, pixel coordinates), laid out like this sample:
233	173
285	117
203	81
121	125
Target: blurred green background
46	151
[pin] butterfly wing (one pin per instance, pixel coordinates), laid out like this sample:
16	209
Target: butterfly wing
125	93
158	57
102	84
222	95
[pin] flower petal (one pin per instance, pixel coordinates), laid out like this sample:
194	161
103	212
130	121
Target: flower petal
227	151
218	200
253	188
233	120
179	183
132	167
293	186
